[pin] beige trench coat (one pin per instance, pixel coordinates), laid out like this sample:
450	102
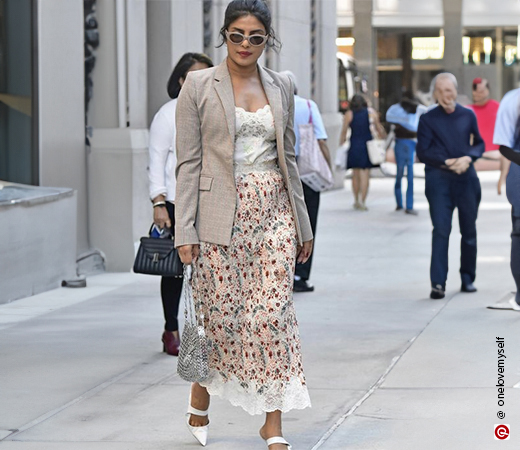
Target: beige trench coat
205	199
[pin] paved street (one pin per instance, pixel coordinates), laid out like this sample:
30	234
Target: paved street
387	367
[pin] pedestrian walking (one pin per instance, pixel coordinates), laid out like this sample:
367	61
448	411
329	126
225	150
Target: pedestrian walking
307	111
486	109
161	173
358	119
448	142
507	137
405	115
242	222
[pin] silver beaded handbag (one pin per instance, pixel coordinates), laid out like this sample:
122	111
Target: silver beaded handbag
192	364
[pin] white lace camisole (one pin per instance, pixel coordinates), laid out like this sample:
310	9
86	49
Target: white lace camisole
255	138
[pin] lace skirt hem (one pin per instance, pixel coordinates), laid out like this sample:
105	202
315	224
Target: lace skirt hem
280	396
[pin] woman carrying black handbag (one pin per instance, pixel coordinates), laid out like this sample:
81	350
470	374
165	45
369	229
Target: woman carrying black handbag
162	186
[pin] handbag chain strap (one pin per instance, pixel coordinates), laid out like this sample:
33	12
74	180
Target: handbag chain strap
190	310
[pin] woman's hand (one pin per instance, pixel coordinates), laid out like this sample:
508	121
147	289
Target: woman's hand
188	253
161	218
304	253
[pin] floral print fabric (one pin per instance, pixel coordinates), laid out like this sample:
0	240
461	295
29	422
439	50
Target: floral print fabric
244	291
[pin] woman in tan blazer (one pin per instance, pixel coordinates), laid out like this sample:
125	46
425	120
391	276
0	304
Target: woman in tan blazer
242	223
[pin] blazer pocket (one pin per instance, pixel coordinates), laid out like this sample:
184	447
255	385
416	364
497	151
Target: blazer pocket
205	183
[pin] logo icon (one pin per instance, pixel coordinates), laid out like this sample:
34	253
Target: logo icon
501	432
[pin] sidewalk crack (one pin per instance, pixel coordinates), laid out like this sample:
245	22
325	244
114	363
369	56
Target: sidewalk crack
379	382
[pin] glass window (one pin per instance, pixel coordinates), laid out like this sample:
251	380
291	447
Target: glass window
18	152
479	46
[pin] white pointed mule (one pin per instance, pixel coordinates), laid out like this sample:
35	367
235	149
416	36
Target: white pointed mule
278	440
199	433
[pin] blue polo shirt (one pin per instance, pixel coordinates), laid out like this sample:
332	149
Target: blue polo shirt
302	116
507	133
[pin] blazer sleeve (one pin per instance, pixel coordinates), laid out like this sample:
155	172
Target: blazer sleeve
294	175
189	160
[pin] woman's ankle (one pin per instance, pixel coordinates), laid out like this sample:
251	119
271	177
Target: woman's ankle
269	431
200	398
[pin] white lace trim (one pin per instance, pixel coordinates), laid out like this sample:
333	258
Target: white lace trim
255	138
278	396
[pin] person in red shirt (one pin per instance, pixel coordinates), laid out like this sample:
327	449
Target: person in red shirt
486	110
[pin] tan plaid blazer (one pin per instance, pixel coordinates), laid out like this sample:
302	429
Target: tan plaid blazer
205	200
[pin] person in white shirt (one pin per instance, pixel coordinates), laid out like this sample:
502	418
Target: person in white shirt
161	174
304	110
507	137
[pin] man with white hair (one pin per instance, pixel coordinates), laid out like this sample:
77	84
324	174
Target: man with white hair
449	142
305	110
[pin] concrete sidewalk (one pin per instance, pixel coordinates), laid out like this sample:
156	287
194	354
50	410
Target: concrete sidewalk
387	367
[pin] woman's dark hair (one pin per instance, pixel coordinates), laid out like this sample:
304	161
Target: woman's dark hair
257	8
181	70
358	102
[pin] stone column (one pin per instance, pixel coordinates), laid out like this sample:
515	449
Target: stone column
174	27
406	43
186	28
159	51
218	11
326	91
137	63
499	91
453	60
366	44
292	23
61	110
103	111
326	83
119	209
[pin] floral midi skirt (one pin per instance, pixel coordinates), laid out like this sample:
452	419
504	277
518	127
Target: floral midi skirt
245	292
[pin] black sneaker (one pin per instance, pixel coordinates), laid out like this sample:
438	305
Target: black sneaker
303	286
412	212
398	208
437	292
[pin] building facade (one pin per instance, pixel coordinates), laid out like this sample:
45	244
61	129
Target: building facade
55	132
404	43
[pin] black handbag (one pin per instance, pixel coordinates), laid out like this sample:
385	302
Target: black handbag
158	256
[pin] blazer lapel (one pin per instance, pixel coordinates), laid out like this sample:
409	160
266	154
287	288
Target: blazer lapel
224	90
274	96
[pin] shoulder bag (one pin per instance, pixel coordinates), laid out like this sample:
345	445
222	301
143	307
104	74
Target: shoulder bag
376	147
312	165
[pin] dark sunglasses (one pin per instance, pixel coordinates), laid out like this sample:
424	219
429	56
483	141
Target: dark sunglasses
256	40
